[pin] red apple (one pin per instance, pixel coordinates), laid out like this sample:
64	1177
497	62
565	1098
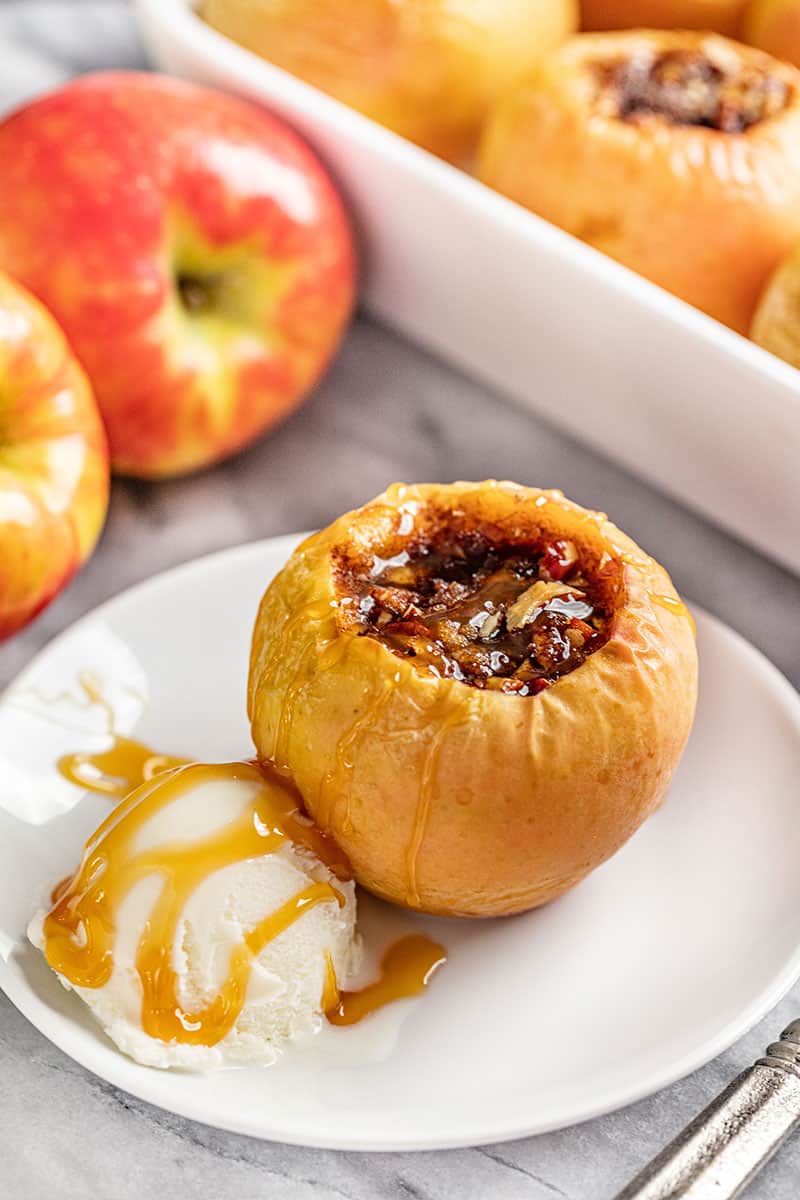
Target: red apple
53	460
193	249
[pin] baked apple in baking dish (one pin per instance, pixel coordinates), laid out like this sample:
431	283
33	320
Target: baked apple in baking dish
480	689
724	16
676	153
776	324
428	69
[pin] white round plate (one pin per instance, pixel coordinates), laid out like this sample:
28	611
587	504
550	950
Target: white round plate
652	966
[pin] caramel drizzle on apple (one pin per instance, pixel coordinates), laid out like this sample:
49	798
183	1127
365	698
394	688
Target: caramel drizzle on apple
290	699
337	785
671	603
448	710
314	611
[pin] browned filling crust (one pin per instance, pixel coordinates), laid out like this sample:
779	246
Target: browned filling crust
686	88
509	618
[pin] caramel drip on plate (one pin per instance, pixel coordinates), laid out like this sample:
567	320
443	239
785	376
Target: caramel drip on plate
124	766
114	772
81	927
442	716
406	968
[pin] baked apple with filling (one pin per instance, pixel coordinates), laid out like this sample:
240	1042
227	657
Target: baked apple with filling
428	69
776	324
676	153
480	689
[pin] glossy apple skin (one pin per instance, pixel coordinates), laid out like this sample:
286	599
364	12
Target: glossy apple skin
53	460
121	185
774	26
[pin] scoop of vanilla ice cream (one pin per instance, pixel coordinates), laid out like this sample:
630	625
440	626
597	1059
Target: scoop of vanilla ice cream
283	1000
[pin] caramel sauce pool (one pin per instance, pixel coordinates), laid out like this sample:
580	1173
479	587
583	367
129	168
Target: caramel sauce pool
118	770
406	968
124	766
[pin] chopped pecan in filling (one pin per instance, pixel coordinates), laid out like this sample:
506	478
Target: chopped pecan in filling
687	88
510	619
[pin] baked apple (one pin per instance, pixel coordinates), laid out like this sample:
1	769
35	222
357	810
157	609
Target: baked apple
480	689
428	69
774	26
776	324
53	460
674	152
724	16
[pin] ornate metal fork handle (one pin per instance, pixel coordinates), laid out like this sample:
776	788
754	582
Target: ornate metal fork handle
719	1153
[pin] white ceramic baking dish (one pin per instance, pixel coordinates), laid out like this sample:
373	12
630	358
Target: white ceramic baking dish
587	344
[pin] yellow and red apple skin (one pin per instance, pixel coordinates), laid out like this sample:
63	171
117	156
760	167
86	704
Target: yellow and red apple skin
194	251
54	473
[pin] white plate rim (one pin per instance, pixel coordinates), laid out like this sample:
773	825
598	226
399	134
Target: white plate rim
112	1068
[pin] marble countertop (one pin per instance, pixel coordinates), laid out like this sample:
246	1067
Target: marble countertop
386	411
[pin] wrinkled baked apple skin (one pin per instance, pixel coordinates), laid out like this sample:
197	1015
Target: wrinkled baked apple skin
774	26
704	213
448	798
427	69
724	16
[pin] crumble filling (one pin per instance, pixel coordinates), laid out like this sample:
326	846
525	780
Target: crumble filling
686	87
507	618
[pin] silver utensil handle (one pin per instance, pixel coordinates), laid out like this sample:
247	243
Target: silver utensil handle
719	1153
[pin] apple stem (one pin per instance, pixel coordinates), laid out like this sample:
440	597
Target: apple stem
193	292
